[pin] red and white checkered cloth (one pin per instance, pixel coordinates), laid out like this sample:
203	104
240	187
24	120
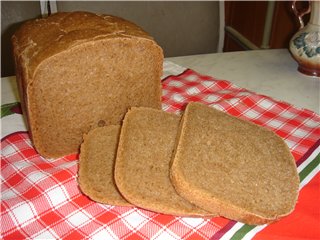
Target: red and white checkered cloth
40	198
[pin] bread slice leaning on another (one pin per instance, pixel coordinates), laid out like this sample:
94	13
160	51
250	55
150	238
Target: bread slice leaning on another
146	144
96	165
79	70
233	167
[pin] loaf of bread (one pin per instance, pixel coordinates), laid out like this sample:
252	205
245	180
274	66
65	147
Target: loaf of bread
146	144
233	168
78	70
96	165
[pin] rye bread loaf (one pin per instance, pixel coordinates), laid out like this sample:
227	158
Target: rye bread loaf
233	167
96	165
146	144
78	70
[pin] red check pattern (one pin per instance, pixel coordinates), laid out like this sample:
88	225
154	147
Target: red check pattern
40	197
299	127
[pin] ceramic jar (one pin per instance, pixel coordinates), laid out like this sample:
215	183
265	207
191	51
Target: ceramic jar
305	44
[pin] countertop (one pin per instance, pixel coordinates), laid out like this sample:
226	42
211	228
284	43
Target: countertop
268	72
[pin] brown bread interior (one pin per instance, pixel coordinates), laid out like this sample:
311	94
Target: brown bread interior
143	160
233	168
96	166
78	70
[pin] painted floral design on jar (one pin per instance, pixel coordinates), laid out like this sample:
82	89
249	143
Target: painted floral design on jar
309	42
305	44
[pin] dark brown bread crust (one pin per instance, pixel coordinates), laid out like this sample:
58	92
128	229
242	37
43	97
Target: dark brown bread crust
42	43
42	38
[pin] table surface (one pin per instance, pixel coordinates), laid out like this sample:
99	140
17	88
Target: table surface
269	72
50	206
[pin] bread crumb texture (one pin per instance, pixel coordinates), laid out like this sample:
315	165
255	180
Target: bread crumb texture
143	162
96	166
234	168
77	69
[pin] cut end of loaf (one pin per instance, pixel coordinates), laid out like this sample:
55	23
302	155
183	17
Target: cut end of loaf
78	70
77	90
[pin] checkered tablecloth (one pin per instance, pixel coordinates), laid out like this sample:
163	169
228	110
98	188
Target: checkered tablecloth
40	198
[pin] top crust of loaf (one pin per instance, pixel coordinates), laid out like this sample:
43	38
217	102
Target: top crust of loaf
39	39
233	167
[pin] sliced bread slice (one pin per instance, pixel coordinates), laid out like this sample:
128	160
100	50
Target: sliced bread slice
145	148
96	167
233	168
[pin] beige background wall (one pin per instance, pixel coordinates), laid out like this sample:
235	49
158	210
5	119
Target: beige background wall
180	28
